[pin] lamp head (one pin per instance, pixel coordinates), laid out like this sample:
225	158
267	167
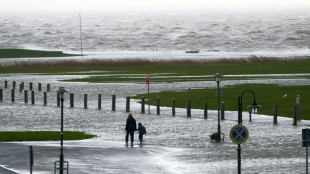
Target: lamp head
61	91
254	106
218	77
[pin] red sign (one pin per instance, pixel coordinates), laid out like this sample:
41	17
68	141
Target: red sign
147	80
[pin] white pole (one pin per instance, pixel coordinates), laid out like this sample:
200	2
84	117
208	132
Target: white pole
81	35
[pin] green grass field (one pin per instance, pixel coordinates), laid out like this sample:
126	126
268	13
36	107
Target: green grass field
43	136
266	96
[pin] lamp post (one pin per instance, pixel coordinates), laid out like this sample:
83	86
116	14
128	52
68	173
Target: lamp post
254	106
61	92
218	80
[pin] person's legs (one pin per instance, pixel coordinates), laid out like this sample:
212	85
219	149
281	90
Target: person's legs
131	136
140	138
127	136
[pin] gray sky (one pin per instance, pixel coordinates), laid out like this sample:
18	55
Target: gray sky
140	5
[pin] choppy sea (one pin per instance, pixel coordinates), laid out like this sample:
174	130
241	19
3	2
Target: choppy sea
278	33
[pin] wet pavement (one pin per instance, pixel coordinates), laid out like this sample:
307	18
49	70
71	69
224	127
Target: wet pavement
173	144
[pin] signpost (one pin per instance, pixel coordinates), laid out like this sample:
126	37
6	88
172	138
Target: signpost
239	134
147	81
305	143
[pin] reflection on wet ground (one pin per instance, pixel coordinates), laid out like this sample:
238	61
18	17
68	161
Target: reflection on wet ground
173	144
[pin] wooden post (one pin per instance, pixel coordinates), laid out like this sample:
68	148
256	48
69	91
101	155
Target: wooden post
14	84
30	86
39	87
205	110
58	99
222	110
5	84
99	101
71	100
173	106
158	106
275	114
45	98
20	88
48	87
188	106
32	97
13	95
142	105
1	95
295	116
85	101
113	102
26	96
127	104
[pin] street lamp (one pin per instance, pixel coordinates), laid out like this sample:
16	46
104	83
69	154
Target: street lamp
61	93
218	80
254	106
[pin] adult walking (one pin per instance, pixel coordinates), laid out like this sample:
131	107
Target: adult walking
131	127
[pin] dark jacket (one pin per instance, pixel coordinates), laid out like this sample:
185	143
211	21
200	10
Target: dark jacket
141	129
131	124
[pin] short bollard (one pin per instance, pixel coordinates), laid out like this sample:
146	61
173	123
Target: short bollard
142	105
295	116
12	95
45	98
26	96
32	98
113	102
39	87
275	114
158	105
48	87
85	101
5	84
188	106
1	95
222	110
71	100
23	85
127	104
30	86
99	101
173	106
14	84
20	88
205	109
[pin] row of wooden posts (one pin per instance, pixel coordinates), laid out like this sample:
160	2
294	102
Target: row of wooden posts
188	102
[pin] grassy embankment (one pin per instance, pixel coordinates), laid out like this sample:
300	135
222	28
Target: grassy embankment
43	136
22	53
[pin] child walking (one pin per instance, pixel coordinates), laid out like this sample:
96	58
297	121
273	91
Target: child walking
142	131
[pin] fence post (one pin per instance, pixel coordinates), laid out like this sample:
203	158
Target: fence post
13	95
158	105
71	100
127	104
99	101
14	84
45	98
39	87
30	86
222	110
48	87
188	106
85	101
295	116
173	106
142	105
1	95
205	109
26	96
113	102
32	97
275	114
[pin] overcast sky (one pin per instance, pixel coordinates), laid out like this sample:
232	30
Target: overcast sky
140	5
